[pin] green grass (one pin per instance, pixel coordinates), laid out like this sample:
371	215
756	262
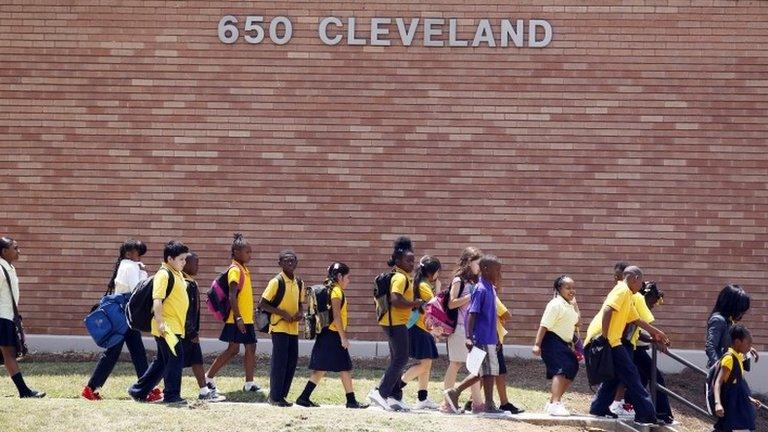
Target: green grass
63	377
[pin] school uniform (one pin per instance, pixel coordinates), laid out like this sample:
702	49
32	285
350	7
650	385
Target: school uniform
421	342
327	354
456	342
9	295
285	336
624	311
485	336
397	335
560	318
193	354
166	365
245	305
129	274
740	414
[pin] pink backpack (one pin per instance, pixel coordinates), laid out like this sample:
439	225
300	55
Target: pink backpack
437	316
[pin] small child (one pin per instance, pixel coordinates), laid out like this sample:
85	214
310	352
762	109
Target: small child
482	333
193	355
735	407
501	381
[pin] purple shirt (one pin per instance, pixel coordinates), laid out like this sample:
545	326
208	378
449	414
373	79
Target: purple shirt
483	304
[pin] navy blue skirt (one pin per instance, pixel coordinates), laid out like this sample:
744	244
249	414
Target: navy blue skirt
193	354
7	333
422	344
230	333
328	355
558	357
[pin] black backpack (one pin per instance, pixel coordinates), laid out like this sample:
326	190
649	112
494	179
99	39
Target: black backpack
599	361
139	311
382	294
319	311
263	318
453	314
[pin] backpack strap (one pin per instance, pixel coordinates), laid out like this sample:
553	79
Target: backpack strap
242	277
171	283
10	291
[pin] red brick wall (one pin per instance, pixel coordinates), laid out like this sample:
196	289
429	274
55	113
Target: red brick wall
639	133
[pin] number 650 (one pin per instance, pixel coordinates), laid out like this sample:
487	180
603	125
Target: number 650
253	32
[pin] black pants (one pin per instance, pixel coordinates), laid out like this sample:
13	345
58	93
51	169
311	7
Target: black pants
109	358
285	354
398	359
644	364
166	367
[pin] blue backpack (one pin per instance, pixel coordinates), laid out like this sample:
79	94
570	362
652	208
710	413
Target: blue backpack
107	324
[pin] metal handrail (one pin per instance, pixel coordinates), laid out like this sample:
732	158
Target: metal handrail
655	387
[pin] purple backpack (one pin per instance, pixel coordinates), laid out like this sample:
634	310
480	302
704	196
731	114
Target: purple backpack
218	301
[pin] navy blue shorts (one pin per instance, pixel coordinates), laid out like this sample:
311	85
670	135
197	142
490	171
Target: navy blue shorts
422	344
7	333
230	333
193	354
558	357
328	355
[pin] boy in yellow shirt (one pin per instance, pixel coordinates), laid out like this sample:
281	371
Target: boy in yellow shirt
168	327
617	311
282	299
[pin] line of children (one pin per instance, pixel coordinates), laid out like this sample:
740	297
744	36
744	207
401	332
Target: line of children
128	272
9	302
168	327
423	347
282	299
554	342
238	328
330	352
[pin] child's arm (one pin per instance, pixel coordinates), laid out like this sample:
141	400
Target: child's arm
399	301
336	309
722	377
471	330
157	308
266	307
655	333
607	314
456	301
539	337
235	308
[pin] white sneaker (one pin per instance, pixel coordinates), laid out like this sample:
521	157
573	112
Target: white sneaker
617	408
397	405
375	397
546	407
557	409
426	404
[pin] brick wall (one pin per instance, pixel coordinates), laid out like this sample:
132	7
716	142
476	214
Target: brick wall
639	133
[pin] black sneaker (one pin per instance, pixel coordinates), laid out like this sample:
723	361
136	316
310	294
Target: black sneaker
33	394
281	403
354	405
306	403
468	406
174	401
511	408
606	414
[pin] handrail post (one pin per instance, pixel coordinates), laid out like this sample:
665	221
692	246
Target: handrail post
654	373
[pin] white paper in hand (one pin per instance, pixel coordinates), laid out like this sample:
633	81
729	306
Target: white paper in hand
475	360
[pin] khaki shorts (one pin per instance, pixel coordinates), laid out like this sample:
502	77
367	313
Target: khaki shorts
456	346
490	366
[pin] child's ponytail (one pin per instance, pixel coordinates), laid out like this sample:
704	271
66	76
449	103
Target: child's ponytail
402	246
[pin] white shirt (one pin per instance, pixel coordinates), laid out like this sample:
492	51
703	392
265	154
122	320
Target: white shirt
129	274
6	307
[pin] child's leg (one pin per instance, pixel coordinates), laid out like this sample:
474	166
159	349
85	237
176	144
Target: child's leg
620	393
174	365
293	358
450	374
104	366
278	366
413	372
501	389
560	385
250	361
346	381
9	355
232	350
425	373
488	382
476	392
199	372
316	376
314	380
136	348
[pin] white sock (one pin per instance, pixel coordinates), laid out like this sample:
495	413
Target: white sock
204	390
208	380
249	385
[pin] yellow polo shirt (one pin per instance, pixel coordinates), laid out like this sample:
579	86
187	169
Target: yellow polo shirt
338	293
426	294
500	311
289	304
244	293
399	315
175	305
727	360
645	314
620	300
560	317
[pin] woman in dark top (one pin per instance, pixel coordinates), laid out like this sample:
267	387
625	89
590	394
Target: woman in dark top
732	304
